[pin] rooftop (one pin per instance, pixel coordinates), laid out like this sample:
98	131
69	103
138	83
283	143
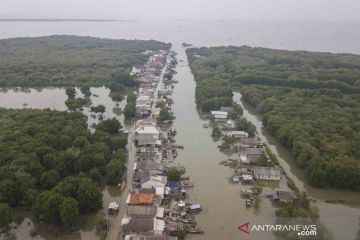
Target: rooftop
142	198
141	211
146	130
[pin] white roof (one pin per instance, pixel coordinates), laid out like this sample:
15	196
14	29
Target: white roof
160	212
147	130
143	98
125	221
159	225
219	113
244	159
160	191
181	204
240	133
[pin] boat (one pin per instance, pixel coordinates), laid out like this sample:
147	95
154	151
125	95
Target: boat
236	179
178	146
246	192
248	203
187	184
189	220
194	230
183	178
194	208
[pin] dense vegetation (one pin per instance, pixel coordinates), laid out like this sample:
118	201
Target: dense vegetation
130	107
52	164
71	60
310	102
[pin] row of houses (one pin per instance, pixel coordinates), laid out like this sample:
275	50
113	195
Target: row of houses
149	77
148	211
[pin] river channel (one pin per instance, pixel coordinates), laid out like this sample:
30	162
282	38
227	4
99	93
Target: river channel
223	208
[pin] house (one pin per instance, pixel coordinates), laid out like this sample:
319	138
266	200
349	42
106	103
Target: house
239	134
227	109
154	182
156	113
161	192
146	135
135	211
135	71
219	114
164	92
143	100
230	124
250	154
160	211
142	110
141	199
283	196
148	92
151	166
267	173
138	225
248	142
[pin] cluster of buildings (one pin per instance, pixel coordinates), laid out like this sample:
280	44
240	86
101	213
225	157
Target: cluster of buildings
252	158
156	205
149	77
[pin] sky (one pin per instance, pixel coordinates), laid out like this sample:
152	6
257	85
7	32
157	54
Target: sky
297	10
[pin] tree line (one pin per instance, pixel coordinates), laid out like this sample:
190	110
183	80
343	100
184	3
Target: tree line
310	102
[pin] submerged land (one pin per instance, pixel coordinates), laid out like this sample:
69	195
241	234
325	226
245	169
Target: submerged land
55	164
309	101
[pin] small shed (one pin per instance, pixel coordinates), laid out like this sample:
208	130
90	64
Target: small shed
219	114
283	196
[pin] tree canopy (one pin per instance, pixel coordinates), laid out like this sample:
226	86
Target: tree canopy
71	60
310	102
52	164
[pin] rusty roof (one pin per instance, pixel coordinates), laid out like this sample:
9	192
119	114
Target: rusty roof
142	198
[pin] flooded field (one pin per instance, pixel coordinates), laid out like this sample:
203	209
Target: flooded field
223	208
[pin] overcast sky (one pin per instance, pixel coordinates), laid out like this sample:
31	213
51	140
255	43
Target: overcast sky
313	10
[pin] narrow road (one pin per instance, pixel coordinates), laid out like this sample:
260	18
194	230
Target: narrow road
115	222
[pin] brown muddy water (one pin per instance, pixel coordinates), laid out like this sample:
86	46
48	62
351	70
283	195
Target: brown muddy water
223	208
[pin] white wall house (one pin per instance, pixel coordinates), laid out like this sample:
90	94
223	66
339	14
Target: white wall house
219	114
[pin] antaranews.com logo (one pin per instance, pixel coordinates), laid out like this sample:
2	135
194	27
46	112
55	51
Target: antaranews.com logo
299	229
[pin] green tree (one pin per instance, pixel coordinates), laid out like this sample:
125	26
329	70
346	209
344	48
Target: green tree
173	175
70	92
69	213
111	125
114	171
98	109
9	192
46	207
49	179
5	213
88	196
165	115
85	90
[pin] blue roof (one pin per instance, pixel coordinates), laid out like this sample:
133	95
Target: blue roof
173	184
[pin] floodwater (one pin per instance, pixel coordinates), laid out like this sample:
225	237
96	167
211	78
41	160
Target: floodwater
224	209
342	219
55	97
